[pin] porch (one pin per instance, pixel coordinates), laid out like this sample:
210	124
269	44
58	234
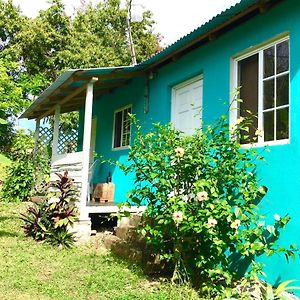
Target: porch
73	91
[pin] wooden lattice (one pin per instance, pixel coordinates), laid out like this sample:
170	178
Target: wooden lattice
45	137
67	142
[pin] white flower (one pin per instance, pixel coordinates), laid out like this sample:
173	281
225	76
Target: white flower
179	152
171	194
53	200
277	217
178	216
235	224
185	198
258	132
201	196
240	120
232	127
211	222
261	223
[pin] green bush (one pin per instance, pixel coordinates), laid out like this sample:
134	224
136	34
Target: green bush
26	171
202	193
50	220
20	174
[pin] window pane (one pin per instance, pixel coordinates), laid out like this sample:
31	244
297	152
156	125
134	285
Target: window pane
282	90
126	127
269	126
269	55
282	119
268	93
118	127
282	57
248	82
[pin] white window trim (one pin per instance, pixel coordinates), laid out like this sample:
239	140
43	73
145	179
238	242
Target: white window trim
178	86
114	125
234	85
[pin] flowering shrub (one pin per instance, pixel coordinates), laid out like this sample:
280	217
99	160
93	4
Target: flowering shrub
201	193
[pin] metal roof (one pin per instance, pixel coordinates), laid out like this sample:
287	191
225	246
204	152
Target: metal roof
71	84
69	88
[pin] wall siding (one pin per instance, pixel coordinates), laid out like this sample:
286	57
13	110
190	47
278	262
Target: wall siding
280	172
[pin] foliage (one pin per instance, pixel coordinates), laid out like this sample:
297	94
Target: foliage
26	170
11	101
36	221
20	174
96	36
4	163
202	193
257	289
51	220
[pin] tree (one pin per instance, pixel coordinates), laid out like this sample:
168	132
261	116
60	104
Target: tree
95	37
39	50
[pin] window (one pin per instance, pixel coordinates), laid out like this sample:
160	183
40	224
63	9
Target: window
263	78
121	137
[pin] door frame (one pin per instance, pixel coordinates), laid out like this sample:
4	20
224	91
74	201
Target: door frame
93	139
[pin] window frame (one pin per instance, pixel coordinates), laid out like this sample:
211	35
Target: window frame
114	127
235	106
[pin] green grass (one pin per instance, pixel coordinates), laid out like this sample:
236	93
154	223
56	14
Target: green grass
4	162
30	270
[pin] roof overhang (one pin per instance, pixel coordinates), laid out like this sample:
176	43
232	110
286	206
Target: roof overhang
69	90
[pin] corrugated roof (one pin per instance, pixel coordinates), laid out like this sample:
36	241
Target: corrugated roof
72	81
113	77
217	20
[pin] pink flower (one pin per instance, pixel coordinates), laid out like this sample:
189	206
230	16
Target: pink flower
178	216
201	196
235	224
179	152
211	222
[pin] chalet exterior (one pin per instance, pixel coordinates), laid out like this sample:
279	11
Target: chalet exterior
254	44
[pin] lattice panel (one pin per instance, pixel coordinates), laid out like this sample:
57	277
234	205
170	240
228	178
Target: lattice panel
67	142
45	137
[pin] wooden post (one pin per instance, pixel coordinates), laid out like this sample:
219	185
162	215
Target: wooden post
88	114
55	131
36	137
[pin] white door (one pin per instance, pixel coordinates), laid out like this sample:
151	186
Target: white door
187	105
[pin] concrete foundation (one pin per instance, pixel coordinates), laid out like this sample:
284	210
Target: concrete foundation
82	230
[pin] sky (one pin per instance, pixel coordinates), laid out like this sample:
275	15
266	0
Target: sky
174	18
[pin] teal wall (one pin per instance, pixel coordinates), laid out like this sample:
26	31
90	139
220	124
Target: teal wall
281	171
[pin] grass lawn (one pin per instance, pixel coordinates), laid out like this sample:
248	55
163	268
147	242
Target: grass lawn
4	162
30	270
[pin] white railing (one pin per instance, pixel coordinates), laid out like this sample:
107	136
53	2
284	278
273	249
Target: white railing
71	162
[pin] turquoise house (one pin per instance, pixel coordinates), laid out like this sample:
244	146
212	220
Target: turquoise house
254	44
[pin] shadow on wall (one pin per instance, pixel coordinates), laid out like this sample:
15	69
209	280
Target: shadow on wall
105	171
